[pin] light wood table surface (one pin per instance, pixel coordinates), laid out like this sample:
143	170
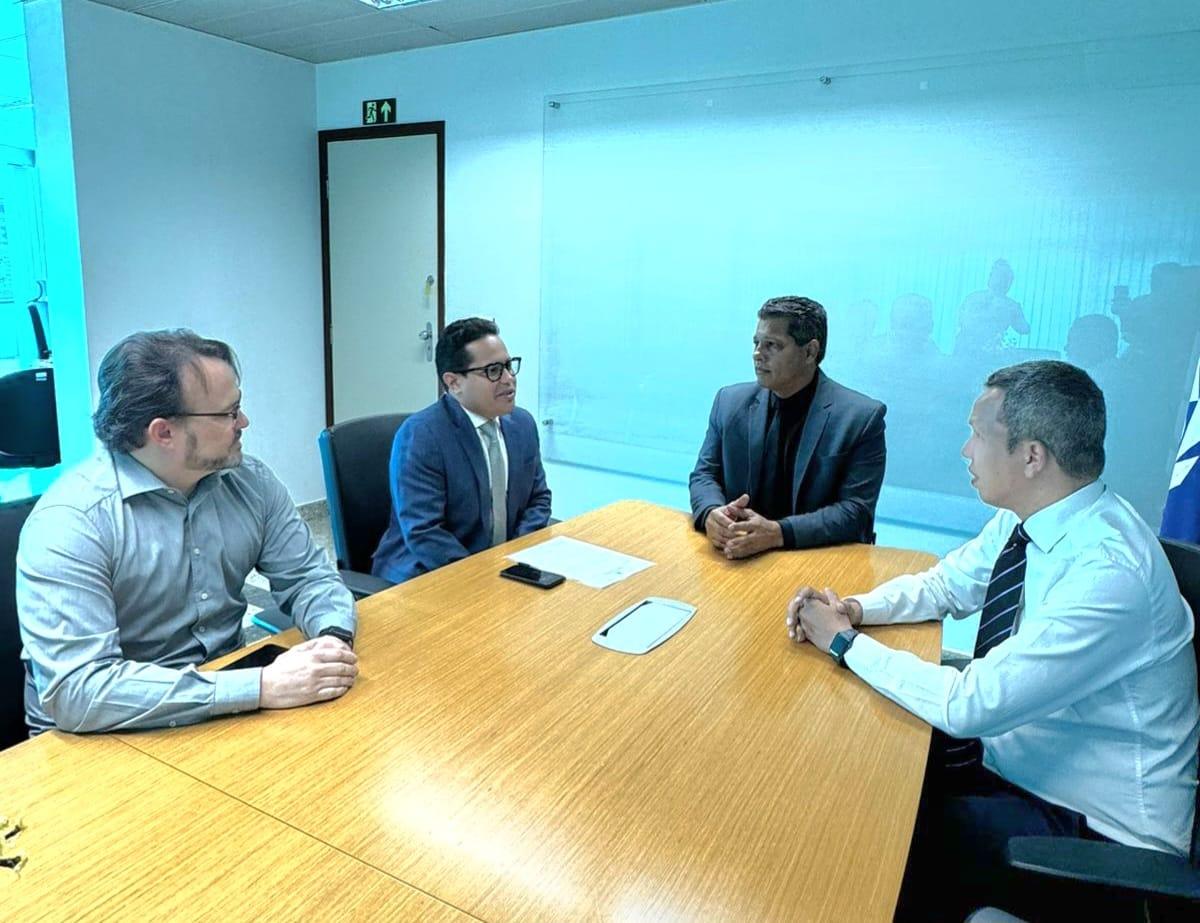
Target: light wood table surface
113	834
491	755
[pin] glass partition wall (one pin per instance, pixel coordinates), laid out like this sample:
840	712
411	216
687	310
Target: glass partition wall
953	216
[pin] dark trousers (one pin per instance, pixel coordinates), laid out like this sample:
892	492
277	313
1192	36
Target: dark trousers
956	862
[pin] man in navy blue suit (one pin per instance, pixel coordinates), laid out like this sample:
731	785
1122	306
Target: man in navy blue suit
466	472
793	460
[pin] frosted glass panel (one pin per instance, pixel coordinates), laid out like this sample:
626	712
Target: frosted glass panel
952	219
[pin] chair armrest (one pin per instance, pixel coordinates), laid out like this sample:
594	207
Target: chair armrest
363	585
272	620
1147	871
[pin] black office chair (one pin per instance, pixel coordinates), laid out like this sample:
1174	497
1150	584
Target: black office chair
1168	885
12	672
28	419
354	457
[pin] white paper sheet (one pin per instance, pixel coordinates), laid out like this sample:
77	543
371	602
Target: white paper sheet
591	565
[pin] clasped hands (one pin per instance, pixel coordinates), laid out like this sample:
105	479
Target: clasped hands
320	669
739	532
817	615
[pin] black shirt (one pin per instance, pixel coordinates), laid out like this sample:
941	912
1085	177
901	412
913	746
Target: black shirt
785	424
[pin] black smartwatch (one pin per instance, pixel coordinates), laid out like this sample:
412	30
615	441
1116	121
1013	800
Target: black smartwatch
340	633
840	646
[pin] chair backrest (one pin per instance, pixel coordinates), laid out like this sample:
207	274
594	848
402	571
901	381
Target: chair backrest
354	456
12	672
1185	562
28	419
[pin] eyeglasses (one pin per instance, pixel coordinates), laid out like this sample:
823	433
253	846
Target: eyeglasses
230	415
494	370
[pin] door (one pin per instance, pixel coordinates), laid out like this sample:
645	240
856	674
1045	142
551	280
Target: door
381	210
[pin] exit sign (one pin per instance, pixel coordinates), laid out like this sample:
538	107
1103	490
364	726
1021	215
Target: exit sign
379	111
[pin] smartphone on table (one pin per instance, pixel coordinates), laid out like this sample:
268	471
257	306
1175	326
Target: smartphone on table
534	576
259	657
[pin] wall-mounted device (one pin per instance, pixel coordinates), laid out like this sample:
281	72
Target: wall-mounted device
28	414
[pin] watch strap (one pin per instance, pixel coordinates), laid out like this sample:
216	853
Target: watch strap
841	644
340	633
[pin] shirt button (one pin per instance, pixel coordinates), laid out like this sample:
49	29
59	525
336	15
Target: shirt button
204	596
172	724
201	629
195	551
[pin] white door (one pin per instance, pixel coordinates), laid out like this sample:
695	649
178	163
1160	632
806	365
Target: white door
383	272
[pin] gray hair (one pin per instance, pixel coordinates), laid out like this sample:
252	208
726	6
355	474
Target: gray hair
140	379
1057	404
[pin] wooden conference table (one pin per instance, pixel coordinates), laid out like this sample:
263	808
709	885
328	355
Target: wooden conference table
492	762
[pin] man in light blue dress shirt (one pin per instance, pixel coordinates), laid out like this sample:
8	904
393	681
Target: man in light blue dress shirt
1083	687
130	568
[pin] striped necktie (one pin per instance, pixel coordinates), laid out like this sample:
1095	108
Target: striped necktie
1003	593
1000	607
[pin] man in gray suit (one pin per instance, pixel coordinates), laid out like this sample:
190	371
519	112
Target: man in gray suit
794	460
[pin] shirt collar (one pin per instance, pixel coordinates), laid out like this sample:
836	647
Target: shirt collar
1049	524
805	394
134	478
476	420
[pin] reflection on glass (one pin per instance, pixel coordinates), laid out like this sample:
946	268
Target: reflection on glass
951	219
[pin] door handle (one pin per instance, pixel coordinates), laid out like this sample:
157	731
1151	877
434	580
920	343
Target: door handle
427	336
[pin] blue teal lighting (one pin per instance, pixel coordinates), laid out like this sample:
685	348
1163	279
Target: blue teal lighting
953	218
37	268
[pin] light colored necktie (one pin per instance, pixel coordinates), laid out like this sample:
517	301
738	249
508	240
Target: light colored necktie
499	482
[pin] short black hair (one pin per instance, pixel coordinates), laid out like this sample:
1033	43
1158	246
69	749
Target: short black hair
1058	405
452	345
806	319
141	379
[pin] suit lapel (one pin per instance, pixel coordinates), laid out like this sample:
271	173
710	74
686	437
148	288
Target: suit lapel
506	429
818	416
756	420
472	449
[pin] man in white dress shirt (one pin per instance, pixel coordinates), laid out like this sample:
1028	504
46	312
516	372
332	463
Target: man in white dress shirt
1078	715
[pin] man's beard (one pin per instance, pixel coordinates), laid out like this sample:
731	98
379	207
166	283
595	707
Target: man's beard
197	462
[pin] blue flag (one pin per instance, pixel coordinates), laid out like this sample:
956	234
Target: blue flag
1181	517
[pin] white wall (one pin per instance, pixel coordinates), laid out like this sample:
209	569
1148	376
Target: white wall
196	170
491	93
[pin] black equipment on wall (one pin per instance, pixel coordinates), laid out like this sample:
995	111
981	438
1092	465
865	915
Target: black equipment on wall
28	414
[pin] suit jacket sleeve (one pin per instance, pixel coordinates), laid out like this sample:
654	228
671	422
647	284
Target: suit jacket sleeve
851	516
537	511
707	482
419	486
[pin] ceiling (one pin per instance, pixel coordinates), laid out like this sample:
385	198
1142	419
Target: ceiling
334	30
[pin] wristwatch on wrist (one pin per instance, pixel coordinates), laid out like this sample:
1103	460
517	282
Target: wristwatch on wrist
340	633
840	645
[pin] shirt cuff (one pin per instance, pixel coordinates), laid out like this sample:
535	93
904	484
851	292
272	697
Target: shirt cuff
349	626
236	691
342	634
874	608
864	656
789	537
912	683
